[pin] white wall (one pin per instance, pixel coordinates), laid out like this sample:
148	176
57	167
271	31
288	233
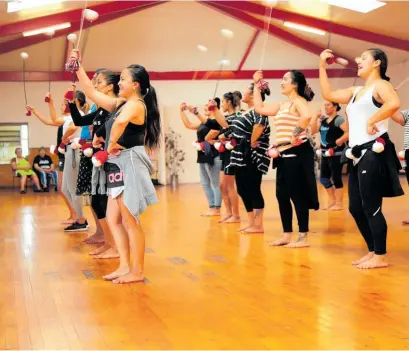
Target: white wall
170	95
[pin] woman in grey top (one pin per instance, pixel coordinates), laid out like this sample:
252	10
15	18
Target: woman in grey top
133	124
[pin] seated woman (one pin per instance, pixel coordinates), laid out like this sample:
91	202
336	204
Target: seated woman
23	170
44	169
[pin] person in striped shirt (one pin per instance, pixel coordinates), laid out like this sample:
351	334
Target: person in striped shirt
251	131
295	181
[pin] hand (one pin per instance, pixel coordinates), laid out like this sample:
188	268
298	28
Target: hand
66	141
294	140
339	142
211	142
192	109
114	149
183	106
222	137
372	128
75	55
97	142
49	97
257	76
324	56
29	108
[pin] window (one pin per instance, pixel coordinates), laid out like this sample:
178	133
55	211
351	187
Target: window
11	137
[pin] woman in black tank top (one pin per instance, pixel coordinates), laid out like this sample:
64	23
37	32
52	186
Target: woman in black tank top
333	135
133	124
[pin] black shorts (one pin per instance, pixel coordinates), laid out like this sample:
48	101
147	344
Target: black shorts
225	156
115	177
61	162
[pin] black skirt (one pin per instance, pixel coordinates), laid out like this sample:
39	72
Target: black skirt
84	175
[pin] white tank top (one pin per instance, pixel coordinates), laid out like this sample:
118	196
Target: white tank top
359	112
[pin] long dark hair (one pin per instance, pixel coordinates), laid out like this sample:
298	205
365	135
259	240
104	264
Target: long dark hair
234	98
303	89
80	97
380	55
153	125
111	78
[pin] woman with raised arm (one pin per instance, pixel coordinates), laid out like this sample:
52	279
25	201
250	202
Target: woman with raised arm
373	175
333	131
77	221
105	82
251	131
295	179
208	159
134	123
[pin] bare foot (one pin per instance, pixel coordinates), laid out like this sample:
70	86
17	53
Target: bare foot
367	257
225	218
211	213
129	278
232	219
300	242
110	253
118	273
95	239
100	250
336	207
286	239
254	230
329	207
377	261
242	229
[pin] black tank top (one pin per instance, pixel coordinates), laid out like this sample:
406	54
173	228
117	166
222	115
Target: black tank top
330	133
133	135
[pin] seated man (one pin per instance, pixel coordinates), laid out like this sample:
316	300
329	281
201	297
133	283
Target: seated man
23	170
44	168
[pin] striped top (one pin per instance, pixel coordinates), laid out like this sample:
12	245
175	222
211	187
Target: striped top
242	128
285	124
405	114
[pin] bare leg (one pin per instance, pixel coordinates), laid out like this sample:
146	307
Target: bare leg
23	181
331	198
234	200
225	197
257	227
121	238
250	223
137	247
98	236
108	250
36	181
339	194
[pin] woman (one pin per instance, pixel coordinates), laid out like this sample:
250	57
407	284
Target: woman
295	179
251	131
105	82
134	123
373	175
209	160
333	135
230	105
68	179
23	170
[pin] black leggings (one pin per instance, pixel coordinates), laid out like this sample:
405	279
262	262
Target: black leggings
292	185
99	203
331	167
407	165
365	201
248	182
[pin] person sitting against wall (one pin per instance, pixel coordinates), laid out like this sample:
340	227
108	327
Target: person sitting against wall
44	168
22	167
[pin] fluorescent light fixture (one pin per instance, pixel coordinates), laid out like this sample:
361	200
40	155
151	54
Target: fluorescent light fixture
363	6
304	28
18	5
47	29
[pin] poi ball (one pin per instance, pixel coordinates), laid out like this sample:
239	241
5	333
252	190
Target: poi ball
69	95
401	155
91	15
330	60
318	152
24	55
75	143
61	148
52	149
349	155
379	145
341	61
263	85
87	149
100	158
230	145
47	99
227	33
72	37
273	152
219	146
28	113
330	152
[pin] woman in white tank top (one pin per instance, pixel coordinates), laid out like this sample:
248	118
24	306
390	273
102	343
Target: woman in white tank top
373	175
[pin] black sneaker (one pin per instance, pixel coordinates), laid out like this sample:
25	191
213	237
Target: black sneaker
76	227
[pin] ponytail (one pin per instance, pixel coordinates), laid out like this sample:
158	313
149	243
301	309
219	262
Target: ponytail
380	55
153	125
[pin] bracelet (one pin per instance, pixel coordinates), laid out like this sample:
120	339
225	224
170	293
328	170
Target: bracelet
298	130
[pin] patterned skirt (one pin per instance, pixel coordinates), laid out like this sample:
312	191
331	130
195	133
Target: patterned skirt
84	176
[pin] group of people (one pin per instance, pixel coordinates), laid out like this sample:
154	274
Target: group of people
235	149
234	152
122	124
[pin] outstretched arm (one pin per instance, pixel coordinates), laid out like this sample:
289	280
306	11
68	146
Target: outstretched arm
41	117
186	122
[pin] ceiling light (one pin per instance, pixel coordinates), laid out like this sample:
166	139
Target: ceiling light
363	6
224	62
304	28
202	48
18	5
47	29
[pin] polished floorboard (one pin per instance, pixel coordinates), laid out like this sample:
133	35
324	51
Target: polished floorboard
207	287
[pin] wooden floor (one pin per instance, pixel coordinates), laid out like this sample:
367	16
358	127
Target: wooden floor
208	287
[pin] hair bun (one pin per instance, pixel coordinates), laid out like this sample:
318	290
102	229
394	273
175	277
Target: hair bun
308	93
